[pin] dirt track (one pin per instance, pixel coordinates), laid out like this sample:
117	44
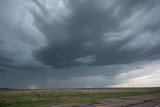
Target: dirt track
152	100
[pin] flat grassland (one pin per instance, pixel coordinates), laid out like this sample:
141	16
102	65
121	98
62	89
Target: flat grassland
46	98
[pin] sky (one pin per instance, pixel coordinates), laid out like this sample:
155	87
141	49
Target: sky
79	43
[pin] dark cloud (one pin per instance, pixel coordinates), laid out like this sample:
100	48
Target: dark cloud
81	34
76	43
83	76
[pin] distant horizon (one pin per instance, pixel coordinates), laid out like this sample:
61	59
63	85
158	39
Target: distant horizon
73	88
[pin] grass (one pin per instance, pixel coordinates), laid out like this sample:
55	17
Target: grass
46	98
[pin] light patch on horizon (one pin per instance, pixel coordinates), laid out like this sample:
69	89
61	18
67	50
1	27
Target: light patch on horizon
33	87
148	76
144	81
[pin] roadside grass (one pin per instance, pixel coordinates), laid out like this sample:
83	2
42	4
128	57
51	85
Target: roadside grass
46	98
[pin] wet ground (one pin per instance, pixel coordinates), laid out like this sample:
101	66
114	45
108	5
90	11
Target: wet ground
152	100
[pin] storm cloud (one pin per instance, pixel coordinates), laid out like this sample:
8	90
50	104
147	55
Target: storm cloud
82	37
45	42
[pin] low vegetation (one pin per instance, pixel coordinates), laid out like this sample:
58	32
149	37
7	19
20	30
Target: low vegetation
46	98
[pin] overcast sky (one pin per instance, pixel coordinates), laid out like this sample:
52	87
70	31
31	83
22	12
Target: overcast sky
79	43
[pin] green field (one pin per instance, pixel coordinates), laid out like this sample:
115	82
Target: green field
46	98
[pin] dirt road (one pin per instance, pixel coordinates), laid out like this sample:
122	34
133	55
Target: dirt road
152	100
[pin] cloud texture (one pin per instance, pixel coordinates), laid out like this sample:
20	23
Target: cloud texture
64	41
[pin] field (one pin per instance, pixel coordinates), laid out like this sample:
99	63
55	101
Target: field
46	98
